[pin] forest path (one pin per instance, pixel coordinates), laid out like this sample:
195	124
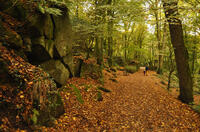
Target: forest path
140	103
135	103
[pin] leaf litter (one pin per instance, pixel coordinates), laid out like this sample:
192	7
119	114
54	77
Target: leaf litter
135	103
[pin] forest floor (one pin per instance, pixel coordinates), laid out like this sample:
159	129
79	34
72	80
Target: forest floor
135	103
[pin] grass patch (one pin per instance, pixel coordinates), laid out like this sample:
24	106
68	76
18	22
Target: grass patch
130	69
163	82
196	108
77	94
99	96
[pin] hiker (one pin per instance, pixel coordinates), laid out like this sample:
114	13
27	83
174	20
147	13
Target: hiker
146	70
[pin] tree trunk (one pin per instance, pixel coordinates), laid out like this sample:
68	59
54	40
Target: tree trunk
125	47
161	47
110	38
171	68
181	53
169	80
158	36
98	51
194	54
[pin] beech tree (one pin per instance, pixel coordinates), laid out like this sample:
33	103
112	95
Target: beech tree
181	53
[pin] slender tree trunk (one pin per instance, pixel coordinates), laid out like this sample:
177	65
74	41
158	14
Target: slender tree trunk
110	38
193	59
181	53
125	47
161	47
171	68
98	39
194	54
158	35
98	51
169	80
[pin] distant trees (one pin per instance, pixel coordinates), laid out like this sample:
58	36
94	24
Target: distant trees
103	25
137	30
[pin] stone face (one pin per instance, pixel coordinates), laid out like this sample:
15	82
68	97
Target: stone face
38	35
48	27
44	37
56	70
63	34
38	54
42	92
77	67
68	60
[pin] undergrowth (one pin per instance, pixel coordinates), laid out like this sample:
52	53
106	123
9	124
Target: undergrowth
130	69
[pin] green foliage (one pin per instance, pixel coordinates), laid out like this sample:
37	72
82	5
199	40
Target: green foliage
51	6
77	94
99	96
196	108
55	100
130	69
87	87
163	82
34	117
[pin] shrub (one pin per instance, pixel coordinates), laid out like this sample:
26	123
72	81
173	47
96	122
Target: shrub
130	69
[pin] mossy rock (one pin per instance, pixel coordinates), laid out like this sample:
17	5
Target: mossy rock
54	109
91	70
68	61
56	70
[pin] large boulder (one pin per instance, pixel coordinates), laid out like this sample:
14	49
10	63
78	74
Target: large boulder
57	70
42	31
63	34
68	62
42	37
37	99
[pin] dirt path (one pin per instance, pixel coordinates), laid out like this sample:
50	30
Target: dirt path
136	103
141	104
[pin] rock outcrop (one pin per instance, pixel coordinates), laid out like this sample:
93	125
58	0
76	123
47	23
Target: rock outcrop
36	54
36	90
39	37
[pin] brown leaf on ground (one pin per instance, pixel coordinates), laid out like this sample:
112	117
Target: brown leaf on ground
136	103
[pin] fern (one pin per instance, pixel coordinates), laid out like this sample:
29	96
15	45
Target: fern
77	94
49	6
53	11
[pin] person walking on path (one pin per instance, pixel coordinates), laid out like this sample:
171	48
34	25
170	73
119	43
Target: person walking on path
146	70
